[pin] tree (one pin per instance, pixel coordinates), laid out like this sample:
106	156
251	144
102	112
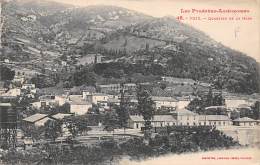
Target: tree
256	110
52	129
76	124
122	110
145	107
6	73
110	121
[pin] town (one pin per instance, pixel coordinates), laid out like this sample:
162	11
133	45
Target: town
91	114
99	84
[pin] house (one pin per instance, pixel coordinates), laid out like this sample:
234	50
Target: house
137	121
36	120
18	79
117	87
245	121
165	102
178	81
214	120
183	102
78	105
186	117
47	100
2	88
235	102
13	92
90	59
28	86
61	116
95	98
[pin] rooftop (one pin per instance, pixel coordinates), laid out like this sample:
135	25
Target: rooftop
184	112
34	118
60	116
155	118
157	98
215	107
245	119
214	117
5	105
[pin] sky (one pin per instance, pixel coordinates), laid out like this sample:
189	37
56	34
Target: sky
242	35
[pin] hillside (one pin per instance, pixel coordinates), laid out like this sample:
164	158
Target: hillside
43	31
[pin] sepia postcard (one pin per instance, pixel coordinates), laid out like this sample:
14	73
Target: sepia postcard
129	82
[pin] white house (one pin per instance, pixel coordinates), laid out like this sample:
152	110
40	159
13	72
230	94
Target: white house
214	120
37	120
234	103
137	121
96	97
186	117
78	105
245	121
165	102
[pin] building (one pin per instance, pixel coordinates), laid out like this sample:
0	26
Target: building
90	59
214	120
28	86
37	120
235	102
169	103
61	116
137	121
117	87
245	121
12	92
178	81
78	105
47	101
95	98
183	102
186	117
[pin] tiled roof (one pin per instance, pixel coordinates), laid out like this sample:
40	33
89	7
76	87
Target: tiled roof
214	107
244	119
213	117
156	98
77	100
155	118
184	112
60	116
5	104
35	117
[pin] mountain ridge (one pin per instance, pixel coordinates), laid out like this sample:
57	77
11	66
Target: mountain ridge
69	31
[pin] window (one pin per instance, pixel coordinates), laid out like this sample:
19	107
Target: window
180	123
214	123
137	125
168	124
187	117
161	124
219	123
209	123
188	123
199	123
194	123
224	123
205	123
194	118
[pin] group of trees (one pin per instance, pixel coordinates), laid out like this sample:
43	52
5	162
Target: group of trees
199	104
6	74
110	150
